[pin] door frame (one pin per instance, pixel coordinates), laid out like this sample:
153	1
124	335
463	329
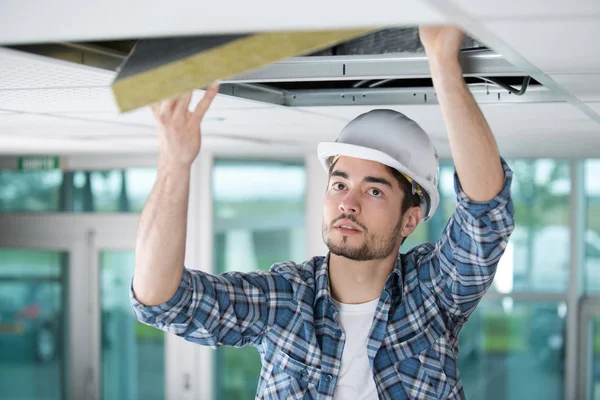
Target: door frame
82	237
104	237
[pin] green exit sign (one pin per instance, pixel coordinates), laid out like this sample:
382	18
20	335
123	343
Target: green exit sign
38	163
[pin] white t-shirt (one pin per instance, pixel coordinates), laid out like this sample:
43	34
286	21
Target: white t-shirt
356	378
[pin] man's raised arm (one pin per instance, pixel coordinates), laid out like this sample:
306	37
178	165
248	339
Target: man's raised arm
477	234
160	246
474	149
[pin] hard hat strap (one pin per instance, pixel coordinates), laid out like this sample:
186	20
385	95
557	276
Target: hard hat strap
416	188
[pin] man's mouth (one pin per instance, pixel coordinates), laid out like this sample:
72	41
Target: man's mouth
346	227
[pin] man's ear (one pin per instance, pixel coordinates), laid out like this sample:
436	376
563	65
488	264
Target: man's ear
411	218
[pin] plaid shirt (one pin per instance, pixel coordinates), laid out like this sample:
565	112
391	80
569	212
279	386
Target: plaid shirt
288	315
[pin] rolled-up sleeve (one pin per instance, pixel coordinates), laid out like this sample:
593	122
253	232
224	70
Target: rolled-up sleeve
466	257
228	309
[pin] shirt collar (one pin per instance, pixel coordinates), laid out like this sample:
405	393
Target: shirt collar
393	284
322	279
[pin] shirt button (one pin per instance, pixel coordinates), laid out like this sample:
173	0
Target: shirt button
338	334
304	374
329	378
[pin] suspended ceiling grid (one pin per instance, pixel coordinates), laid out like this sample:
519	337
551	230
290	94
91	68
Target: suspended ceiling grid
48	105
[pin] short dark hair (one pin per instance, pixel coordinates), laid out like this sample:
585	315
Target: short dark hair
410	199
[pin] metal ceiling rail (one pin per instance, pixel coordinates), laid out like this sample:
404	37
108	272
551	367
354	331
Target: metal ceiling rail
409	96
388	66
483	93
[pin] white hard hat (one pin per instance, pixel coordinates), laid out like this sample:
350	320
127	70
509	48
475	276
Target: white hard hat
392	139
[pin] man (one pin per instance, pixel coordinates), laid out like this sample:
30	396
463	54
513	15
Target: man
364	322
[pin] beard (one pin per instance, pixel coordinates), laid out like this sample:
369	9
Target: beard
374	247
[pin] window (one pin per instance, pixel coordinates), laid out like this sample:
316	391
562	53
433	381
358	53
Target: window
431	230
133	361
537	256
258	220
514	350
36	191
592	233
33	324
75	191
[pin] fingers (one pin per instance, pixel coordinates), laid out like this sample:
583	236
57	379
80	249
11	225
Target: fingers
167	110
206	101
176	109
181	107
166	107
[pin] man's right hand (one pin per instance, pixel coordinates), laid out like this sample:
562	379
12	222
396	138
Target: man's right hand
179	128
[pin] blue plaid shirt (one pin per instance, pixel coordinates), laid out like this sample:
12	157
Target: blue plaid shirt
288	315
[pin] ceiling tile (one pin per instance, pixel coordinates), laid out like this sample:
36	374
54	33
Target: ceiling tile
586	87
510	9
82	99
21	70
562	45
99	100
52	126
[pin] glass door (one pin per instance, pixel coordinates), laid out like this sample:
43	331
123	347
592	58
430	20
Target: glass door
34	323
67	330
44	309
133	354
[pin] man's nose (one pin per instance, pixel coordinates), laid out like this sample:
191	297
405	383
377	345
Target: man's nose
350	203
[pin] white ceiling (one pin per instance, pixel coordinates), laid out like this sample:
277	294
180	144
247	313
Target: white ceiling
52	106
72	20
506	10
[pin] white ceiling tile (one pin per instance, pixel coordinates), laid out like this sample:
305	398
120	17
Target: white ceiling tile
220	109
270	116
563	141
100	101
53	126
21	70
510	9
48	100
138	117
149	146
561	45
278	124
285	125
586	87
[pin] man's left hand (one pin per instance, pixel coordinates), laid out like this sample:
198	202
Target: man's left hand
442	42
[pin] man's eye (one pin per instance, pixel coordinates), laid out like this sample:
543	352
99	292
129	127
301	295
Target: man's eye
375	192
339	186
